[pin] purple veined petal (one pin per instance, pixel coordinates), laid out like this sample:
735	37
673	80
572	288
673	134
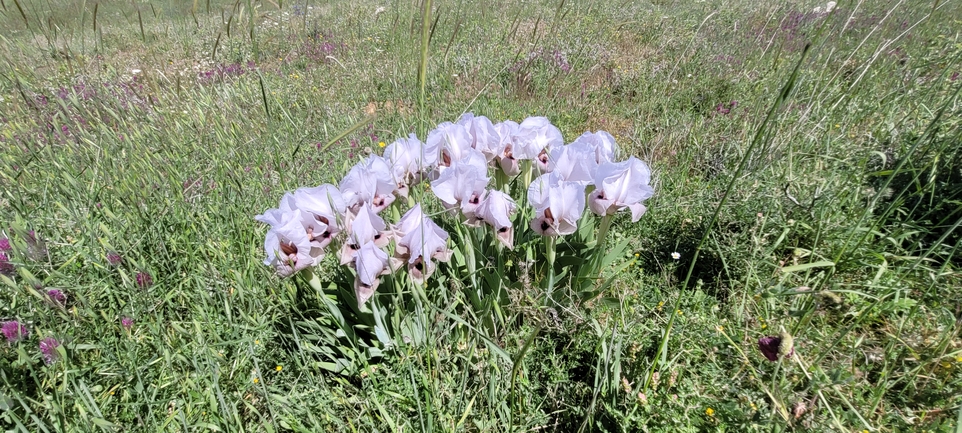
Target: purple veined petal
422	241
365	227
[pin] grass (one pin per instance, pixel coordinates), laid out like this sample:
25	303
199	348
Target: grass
158	130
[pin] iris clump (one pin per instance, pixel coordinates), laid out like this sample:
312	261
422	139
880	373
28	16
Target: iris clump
471	168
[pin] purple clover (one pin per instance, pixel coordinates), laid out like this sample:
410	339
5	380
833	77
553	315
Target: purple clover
954	77
6	268
774	347
57	297
5	245
14	331
127	322
114	259
48	347
144	280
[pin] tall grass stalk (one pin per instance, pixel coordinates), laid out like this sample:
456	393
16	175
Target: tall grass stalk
783	95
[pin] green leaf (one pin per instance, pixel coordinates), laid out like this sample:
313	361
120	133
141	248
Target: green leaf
802	267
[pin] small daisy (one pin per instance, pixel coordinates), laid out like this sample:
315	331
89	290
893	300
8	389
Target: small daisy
675	255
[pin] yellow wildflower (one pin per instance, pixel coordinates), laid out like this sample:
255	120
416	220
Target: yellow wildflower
710	412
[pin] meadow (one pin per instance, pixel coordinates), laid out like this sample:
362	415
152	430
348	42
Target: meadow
807	171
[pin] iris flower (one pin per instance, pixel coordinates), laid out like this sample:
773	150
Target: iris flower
369	262
421	241
574	162
505	158
287	246
496	209
558	205
369	181
463	183
602	143
410	159
452	140
483	137
365	227
621	185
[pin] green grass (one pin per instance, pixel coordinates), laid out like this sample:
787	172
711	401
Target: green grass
858	175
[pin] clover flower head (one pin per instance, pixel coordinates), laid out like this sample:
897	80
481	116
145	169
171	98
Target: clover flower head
114	259
6	268
14	331
48	348
144	280
57	297
127	322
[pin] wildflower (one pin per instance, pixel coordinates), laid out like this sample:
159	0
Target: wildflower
420	241
575	162
127	322
278	368
5	245
410	160
14	331
482	135
710	412
676	255
381	144
144	280
621	185
256	380
534	135
6	268
506	158
496	209
48	348
366	227
114	259
463	183
57	297
369	262
321	207
452	140
369	181
777	347
558	205
287	245
602	143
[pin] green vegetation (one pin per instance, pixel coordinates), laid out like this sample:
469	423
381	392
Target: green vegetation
139	139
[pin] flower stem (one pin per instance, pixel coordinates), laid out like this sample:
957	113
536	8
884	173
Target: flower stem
602	231
549	252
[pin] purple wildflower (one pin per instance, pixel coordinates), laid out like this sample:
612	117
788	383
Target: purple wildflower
954	77
6	268
127	322
48	347
14	331
114	259
57	297
5	245
144	280
774	347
